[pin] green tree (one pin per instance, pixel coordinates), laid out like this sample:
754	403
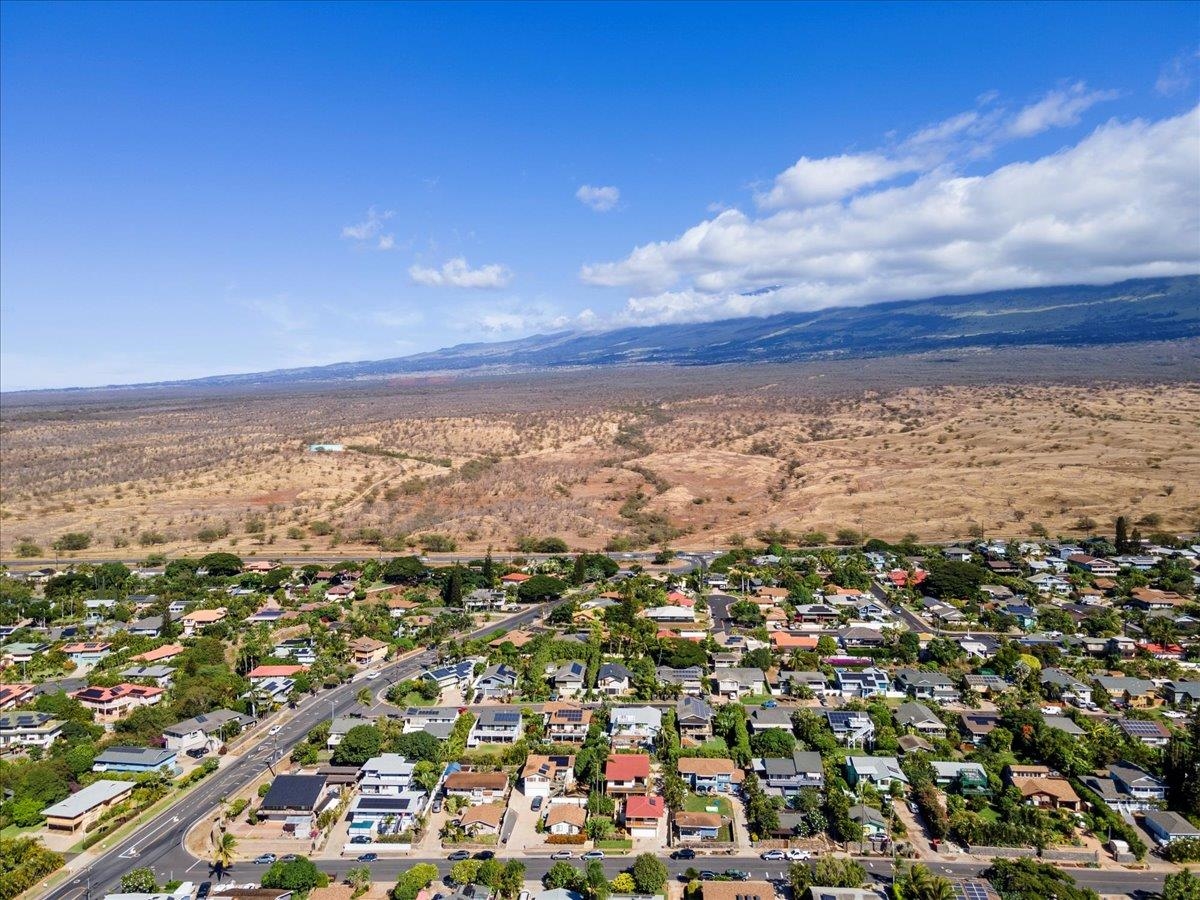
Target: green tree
221	564
595	880
623	884
512	878
800	875
540	588
299	874
561	875
465	871
649	873
773	742
1019	879
1181	885
452	588
359	878
838	871
139	881
414	880
358	745
919	883
224	853
405	570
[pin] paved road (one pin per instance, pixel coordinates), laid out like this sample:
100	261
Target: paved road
879	869
159	843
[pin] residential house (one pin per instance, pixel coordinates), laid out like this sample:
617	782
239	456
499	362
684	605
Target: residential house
436	720
694	718
958	554
762	719
22	730
987	685
341	725
302	650
294	801
1063	724
1182	694
568	678
1166	827
1049	584
162	676
496	725
817	613
150	626
389	774
708	775
1153	599
878	771
136	759
451	676
366	651
111	704
263	674
565	818
483	820
862	683
86	806
698	827
978	725
482	599
853	636
158	655
1050	792
797	683
921	684
627	773
965	778
788	641
496	682
566	723
12	695
1152	734
205	730
1129	693
788	775
542	775
737	890
1135	781
690	679
634	726
198	619
664	614
1060	685
86	653
642	815
734	684
613	679
920	718
852	727
477	787
873	824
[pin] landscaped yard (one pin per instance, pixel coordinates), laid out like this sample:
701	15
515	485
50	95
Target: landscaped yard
705	802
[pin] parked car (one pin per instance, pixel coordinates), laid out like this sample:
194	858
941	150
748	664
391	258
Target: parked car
561	854
361	839
736	875
485	854
198	752
459	855
288	857
706	875
437	805
593	854
774	855
685	853
368	857
799	855
770	704
264	859
535	804
204	890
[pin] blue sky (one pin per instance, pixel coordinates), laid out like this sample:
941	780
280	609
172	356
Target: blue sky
196	189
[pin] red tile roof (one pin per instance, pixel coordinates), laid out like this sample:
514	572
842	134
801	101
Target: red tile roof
627	767
275	671
640	806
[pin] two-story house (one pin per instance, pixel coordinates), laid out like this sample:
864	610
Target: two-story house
733	684
862	683
544	775
496	725
568	678
613	679
690	679
921	684
709	775
852	727
634	726
627	773
694	718
496	682
566	723
789	775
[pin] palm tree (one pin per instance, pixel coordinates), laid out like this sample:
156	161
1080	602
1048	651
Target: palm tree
922	884
223	853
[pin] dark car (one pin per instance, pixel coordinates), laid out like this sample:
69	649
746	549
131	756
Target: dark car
535	804
203	890
361	839
198	752
685	853
368	857
485	854
737	875
459	855
706	875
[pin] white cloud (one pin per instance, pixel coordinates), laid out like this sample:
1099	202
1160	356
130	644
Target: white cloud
1177	74
1058	109
810	181
600	199
1123	202
456	273
370	230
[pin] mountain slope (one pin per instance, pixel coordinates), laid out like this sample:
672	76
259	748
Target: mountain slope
1149	309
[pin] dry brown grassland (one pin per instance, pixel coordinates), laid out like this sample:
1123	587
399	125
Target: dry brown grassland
691	457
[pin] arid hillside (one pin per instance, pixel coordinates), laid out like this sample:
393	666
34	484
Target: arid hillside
942	447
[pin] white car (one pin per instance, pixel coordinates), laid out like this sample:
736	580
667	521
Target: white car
275	729
799	855
372	675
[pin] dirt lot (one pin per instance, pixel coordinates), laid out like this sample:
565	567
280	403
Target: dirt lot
699	457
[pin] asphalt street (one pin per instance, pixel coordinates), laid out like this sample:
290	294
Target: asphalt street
159	843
